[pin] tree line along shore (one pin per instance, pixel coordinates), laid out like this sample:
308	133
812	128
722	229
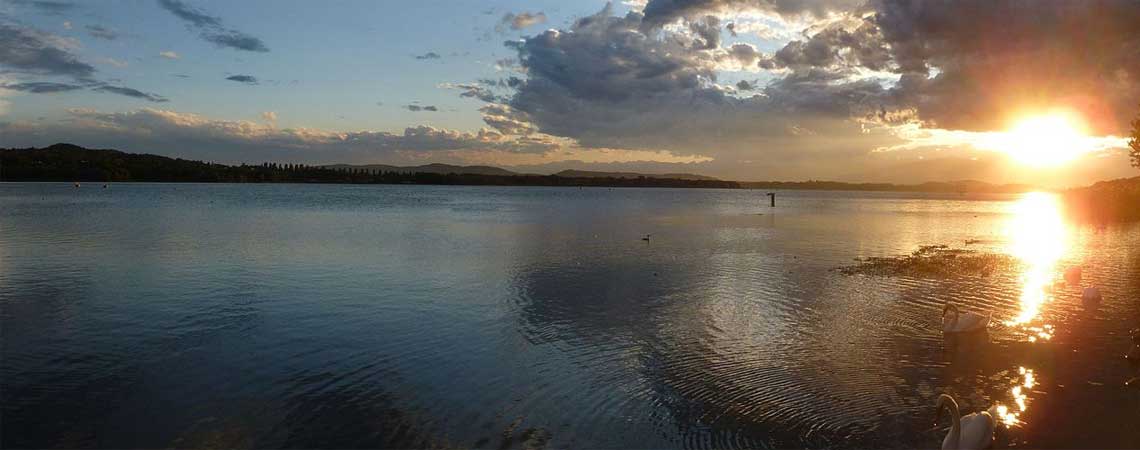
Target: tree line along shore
1109	200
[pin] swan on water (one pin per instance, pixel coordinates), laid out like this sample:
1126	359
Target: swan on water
971	431
954	321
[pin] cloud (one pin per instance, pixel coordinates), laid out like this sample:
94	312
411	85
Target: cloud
47	87
520	21
43	87
247	79
269	116
607	83
428	55
49	7
974	64
169	54
661	12
193	136
210	28
32	51
847	74
970	65
481	90
112	62
28	51
417	108
67	24
101	32
236	40
135	93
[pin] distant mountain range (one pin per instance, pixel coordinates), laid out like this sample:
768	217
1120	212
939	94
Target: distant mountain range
960	186
444	169
570	173
67	162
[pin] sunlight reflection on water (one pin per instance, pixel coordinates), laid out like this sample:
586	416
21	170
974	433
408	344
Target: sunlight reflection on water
1020	398
1039	237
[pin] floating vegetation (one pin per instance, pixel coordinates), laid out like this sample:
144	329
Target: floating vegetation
933	261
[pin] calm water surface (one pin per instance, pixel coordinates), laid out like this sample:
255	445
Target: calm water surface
177	315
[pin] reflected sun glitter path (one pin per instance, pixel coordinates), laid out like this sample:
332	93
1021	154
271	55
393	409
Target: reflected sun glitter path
1038	237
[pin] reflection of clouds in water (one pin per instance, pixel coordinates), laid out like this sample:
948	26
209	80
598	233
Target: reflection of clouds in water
734	343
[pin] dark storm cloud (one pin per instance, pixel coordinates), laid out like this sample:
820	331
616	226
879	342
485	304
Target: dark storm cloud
428	55
417	108
49	7
42	87
131	93
247	79
32	51
969	64
102	32
745	85
210	28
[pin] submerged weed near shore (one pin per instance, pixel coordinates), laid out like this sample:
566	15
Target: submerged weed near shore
933	261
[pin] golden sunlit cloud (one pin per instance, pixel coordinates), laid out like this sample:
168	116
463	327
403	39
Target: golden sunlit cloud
1036	141
1044	140
574	153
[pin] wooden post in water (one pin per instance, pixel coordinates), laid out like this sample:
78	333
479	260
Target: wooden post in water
772	197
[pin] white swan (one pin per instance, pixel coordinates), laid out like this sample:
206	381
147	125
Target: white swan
971	431
962	322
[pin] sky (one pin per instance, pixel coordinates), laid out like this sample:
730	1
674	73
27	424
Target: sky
852	90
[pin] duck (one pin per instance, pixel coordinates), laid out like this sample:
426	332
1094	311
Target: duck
962	322
968	432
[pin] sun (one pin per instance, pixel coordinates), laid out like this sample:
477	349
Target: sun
1045	141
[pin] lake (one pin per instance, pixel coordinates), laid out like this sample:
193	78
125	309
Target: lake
338	316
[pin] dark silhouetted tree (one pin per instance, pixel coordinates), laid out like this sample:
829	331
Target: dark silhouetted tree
1134	152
